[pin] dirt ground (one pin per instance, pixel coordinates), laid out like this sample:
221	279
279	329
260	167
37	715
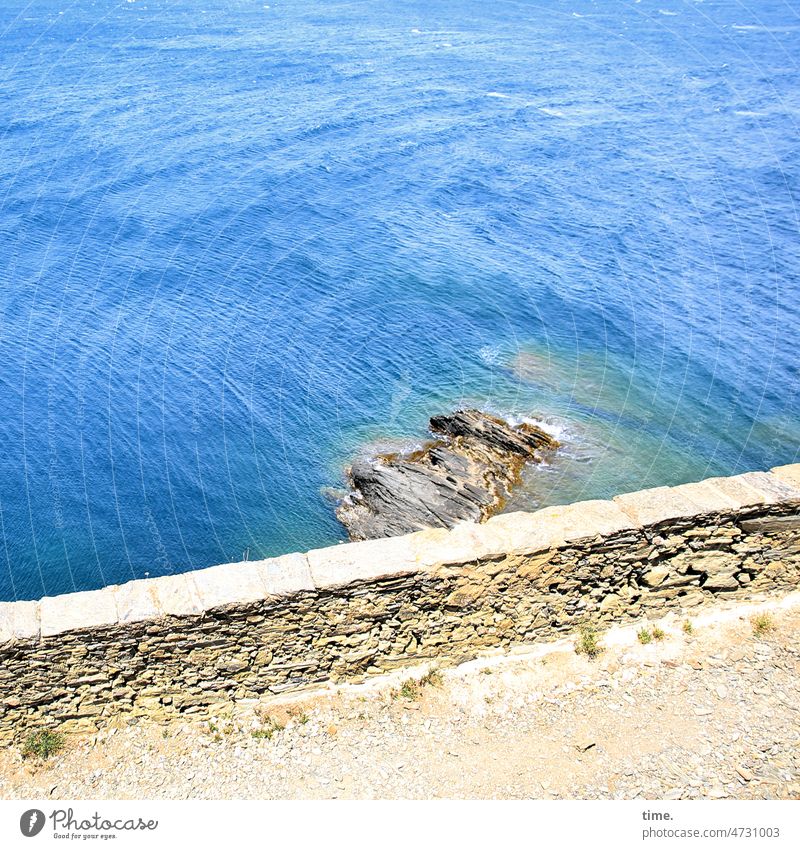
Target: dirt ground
714	713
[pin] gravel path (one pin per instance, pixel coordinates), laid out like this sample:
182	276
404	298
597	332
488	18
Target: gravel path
711	714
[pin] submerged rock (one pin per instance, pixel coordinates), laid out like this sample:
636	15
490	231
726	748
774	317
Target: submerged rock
467	473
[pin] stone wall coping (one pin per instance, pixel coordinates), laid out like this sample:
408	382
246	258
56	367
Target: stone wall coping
19	620
177	595
230	583
136	601
287	575
656	505
788	474
196	593
756	488
369	560
77	611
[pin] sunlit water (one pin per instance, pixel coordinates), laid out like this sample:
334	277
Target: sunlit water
243	242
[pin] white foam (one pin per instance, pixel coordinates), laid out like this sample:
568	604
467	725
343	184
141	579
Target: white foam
761	28
489	354
554	429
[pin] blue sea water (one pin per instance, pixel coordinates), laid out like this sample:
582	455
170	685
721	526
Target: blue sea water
243	242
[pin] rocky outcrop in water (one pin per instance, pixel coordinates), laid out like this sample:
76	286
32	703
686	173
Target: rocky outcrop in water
465	474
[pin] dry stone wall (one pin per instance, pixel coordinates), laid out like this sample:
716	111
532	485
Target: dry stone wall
182	643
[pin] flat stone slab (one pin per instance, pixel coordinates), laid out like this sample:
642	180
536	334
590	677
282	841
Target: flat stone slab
788	474
136	601
469	542
176	595
776	489
754	488
653	506
231	583
772	524
286	575
19	620
369	560
465	542
581	520
708	497
77	611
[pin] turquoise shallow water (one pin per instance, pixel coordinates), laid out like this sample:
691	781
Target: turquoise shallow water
243	242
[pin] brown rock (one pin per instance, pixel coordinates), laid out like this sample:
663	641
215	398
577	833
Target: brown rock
466	475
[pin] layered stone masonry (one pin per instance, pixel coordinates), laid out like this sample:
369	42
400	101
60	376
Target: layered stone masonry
179	644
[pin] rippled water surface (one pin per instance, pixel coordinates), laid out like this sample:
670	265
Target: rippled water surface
241	243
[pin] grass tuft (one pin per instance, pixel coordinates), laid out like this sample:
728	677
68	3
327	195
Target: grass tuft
411	689
644	636
658	634
588	643
762	624
270	727
43	744
432	678
212	729
688	628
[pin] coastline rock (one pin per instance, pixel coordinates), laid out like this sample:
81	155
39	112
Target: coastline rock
466	474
